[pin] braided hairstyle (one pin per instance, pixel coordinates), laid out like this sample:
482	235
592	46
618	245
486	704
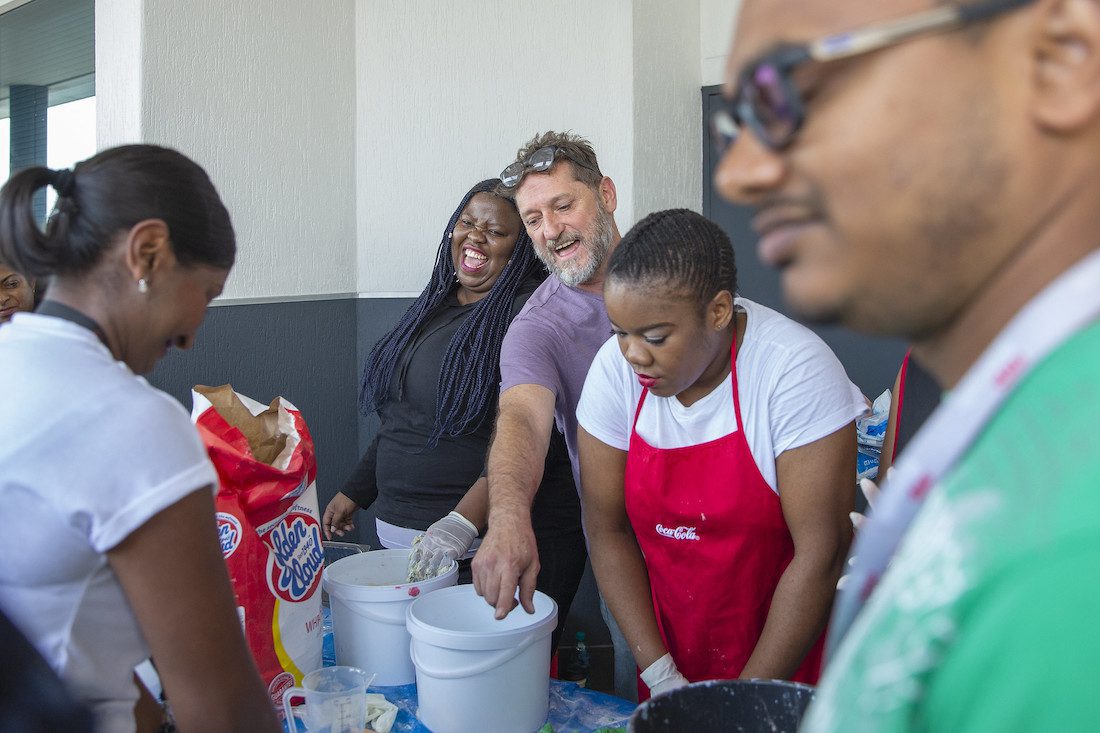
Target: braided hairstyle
468	376
678	250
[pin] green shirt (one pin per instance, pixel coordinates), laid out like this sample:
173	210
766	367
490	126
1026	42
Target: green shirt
989	616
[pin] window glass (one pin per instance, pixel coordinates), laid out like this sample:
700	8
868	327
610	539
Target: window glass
47	86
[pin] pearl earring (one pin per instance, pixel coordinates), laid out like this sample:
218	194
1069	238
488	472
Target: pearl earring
143	286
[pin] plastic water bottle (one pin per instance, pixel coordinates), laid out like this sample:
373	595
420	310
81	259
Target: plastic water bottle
578	666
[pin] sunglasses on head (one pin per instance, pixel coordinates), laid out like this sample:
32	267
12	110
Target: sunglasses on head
767	100
539	161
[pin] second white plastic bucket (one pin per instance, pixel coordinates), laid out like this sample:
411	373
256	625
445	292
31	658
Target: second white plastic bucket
476	673
368	595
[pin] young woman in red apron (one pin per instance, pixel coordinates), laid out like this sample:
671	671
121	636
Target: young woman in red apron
712	541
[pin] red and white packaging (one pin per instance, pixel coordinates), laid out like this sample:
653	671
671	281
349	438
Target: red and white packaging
270	527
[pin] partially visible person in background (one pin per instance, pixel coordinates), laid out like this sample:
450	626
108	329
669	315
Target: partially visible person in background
914	397
17	293
930	170
109	552
433	382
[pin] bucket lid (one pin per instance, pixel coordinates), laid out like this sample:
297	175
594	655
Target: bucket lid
458	618
378	576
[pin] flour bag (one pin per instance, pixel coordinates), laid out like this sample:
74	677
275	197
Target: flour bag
270	527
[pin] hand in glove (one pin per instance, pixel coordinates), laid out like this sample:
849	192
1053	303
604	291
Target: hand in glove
870	492
446	540
662	676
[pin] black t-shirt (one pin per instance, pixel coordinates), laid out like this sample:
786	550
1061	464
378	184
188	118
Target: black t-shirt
412	486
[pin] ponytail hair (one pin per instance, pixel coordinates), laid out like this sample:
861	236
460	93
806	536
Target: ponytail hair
102	198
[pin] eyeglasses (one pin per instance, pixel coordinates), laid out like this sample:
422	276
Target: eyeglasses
539	161
767	100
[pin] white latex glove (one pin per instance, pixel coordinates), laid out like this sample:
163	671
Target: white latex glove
870	492
446	540
662	676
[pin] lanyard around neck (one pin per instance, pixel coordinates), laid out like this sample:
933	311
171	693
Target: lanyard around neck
55	309
1063	308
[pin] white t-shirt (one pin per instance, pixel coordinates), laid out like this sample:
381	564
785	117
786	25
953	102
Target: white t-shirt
792	388
89	453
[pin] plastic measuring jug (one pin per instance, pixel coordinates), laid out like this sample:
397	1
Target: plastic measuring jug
336	700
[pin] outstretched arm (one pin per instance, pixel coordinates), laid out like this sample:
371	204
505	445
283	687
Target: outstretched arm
508	556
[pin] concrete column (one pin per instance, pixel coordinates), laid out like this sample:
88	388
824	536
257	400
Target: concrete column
28	134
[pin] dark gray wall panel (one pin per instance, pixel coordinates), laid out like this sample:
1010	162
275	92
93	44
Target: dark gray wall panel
304	351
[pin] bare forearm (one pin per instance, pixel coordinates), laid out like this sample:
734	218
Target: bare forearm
475	504
624	585
799	611
516	462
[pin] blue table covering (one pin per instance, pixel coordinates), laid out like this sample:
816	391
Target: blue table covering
572	708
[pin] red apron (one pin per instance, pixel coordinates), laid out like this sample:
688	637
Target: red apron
715	545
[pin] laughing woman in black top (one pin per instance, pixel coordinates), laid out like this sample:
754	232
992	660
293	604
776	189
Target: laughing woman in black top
433	382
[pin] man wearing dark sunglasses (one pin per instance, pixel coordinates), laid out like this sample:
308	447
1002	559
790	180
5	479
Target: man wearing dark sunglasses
932	171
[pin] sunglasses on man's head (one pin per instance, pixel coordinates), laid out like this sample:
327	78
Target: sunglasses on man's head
539	161
767	100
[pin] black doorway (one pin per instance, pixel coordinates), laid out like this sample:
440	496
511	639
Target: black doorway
872	363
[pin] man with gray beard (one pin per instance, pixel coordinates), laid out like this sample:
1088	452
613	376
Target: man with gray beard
567	207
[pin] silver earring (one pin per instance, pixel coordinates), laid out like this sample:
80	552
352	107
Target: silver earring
143	286
449	234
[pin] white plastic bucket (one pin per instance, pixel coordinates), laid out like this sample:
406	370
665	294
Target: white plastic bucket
476	673
368	595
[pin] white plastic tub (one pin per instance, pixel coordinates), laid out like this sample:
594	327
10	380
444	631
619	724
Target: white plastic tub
368	595
474	673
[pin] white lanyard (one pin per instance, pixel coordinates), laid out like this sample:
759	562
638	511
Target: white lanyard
1064	307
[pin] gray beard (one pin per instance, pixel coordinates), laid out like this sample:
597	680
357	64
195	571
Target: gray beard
598	243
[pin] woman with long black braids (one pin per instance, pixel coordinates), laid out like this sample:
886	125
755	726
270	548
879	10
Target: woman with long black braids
433	382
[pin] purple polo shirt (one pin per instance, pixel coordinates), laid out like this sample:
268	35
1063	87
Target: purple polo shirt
551	343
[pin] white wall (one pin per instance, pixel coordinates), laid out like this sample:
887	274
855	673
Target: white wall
261	95
667	110
342	133
716	23
449	91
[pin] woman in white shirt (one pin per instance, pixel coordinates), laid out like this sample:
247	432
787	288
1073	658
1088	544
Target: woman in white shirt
109	551
717	465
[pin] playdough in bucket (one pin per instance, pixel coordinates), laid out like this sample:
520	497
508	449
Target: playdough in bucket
368	594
